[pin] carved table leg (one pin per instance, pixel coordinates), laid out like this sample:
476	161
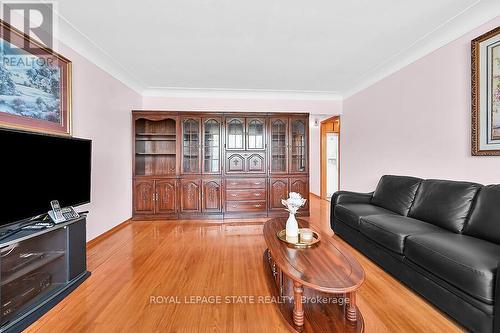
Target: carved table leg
298	310
282	282
351	312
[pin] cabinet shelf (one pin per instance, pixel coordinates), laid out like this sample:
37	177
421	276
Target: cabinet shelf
160	154
45	260
156	146
156	139
154	134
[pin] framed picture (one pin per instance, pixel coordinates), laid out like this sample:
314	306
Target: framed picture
35	85
485	87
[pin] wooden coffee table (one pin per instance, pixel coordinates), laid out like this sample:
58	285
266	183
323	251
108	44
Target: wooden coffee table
314	288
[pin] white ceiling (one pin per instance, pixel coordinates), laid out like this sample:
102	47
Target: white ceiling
330	46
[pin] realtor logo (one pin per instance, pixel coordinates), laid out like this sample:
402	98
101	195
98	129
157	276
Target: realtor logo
34	19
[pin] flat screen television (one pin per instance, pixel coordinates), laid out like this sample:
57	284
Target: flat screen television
36	169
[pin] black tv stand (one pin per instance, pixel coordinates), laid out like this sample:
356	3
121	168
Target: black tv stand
38	268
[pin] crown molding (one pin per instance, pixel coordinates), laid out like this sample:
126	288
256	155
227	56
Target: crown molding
79	42
241	93
470	18
467	20
70	36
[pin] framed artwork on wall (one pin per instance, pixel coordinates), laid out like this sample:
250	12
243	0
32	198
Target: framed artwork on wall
35	85
485	88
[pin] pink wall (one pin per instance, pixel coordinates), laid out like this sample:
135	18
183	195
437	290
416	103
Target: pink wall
241	104
101	112
416	122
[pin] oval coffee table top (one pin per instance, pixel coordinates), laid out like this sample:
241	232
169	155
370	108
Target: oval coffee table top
327	266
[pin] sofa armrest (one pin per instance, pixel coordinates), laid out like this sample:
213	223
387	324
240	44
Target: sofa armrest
496	305
348	197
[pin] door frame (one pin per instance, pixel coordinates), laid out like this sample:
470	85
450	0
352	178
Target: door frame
326	127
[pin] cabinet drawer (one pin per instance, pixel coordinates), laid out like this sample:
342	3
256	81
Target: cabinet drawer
245	183
245	206
257	194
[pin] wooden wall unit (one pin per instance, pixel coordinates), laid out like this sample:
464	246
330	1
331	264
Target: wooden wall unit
211	165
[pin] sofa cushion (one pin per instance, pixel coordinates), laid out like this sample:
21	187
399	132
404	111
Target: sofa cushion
484	221
351	213
390	231
396	193
465	262
444	203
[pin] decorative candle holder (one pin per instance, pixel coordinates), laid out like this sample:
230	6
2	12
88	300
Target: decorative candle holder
306	235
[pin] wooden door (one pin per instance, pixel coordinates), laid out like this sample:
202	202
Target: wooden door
278	189
235	133
278	145
191	145
212	145
144	197
190	195
235	163
255	133
166	196
255	163
298	154
212	196
301	185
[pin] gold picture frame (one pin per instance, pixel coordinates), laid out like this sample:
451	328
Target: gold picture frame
485	94
51	111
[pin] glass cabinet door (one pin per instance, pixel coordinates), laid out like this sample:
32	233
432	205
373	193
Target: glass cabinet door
298	145
235	133
279	156
211	145
255	134
191	145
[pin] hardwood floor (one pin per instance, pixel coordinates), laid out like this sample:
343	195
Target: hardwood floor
205	258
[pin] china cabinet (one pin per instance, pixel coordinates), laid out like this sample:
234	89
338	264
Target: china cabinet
208	165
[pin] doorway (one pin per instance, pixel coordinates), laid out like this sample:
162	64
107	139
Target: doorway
330	157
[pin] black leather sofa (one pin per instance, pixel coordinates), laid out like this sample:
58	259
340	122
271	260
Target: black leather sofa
441	238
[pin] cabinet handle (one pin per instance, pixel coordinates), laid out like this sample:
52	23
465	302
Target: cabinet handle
257	183
257	194
235	206
257	206
234	195
234	184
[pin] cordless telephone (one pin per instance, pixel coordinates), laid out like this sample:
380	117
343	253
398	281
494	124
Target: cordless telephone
58	214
